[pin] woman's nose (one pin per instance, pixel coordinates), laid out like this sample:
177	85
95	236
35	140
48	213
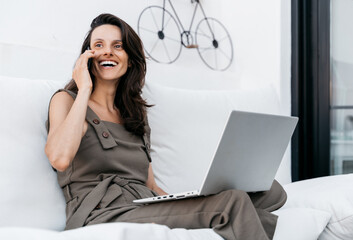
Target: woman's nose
107	51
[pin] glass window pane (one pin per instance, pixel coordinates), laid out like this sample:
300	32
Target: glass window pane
342	52
341	87
341	141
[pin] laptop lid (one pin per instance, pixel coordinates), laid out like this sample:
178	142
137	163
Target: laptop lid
249	152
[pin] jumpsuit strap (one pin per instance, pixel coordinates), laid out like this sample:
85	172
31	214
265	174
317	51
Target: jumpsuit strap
103	134
146	146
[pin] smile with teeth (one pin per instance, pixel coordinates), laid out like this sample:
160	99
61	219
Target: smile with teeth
108	64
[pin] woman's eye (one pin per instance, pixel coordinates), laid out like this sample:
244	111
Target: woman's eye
118	46
98	45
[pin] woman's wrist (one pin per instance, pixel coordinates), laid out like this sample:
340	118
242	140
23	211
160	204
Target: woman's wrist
85	90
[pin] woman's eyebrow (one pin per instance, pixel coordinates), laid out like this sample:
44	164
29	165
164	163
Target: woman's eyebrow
99	39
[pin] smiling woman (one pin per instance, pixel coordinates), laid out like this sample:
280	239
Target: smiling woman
108	53
99	143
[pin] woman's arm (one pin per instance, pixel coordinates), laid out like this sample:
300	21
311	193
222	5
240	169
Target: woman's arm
151	183
67	117
66	127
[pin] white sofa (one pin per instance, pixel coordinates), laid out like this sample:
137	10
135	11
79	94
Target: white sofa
185	127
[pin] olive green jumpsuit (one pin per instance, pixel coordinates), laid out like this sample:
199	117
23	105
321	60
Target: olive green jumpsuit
110	170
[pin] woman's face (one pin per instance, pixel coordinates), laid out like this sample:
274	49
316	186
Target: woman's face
110	61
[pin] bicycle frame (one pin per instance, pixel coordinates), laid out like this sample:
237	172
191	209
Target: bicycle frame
163	31
193	16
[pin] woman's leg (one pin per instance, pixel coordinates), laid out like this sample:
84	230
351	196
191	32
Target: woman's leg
265	203
230	213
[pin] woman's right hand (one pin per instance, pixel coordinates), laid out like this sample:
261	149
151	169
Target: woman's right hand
80	73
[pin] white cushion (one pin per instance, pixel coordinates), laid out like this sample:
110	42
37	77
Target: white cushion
300	223
332	194
30	194
19	233
293	224
186	126
110	231
133	231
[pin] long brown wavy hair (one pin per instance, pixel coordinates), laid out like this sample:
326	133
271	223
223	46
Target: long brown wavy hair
128	98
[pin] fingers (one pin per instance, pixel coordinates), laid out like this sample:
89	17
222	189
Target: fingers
83	59
89	53
80	73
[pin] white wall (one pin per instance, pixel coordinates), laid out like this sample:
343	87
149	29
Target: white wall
254	25
54	31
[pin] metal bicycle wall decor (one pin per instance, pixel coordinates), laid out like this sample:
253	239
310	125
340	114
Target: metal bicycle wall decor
163	39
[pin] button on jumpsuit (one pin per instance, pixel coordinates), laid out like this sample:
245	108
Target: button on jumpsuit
110	170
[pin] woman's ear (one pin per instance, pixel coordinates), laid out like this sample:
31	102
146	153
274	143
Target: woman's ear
129	63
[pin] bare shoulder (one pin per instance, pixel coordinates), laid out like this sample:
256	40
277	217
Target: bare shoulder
59	108
61	102
62	98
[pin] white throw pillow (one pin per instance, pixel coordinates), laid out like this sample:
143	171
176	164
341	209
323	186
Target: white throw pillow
187	125
332	194
30	194
300	223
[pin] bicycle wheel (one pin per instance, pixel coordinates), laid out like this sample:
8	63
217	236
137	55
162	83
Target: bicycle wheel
160	36
214	44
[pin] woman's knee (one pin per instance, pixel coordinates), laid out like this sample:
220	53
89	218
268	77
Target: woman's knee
270	200
236	194
279	193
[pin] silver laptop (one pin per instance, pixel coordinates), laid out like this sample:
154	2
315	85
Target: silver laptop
247	157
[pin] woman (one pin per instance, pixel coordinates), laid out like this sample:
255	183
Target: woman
98	141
